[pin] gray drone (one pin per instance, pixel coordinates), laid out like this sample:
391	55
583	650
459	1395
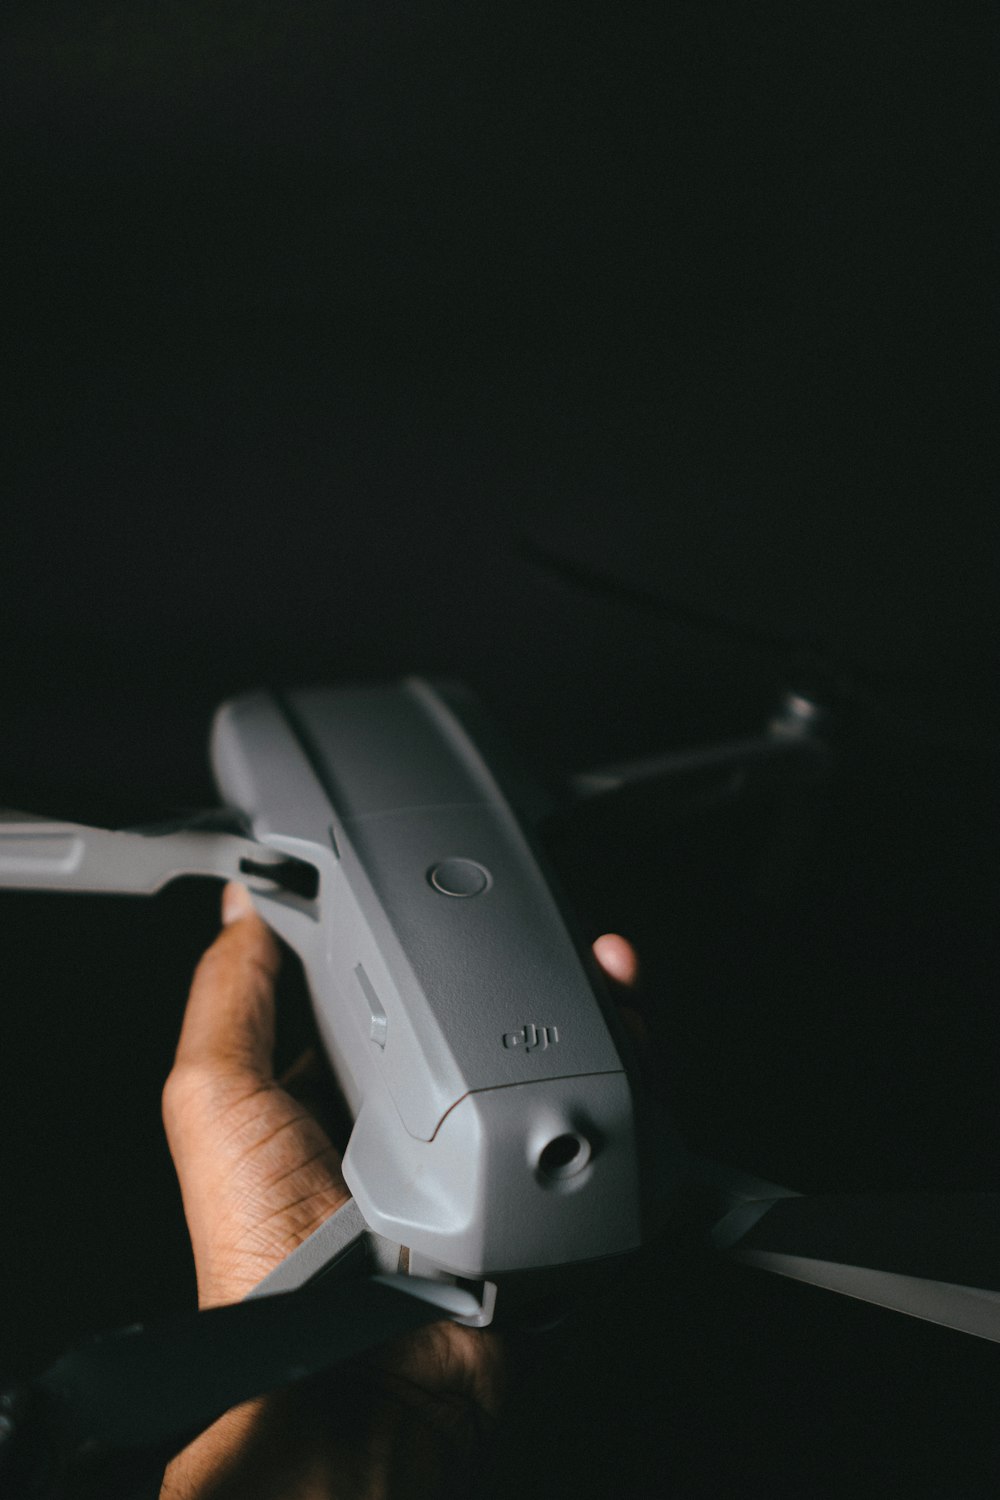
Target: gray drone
501	1138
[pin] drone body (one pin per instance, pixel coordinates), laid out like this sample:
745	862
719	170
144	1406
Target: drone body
498	1137
494	1126
390	844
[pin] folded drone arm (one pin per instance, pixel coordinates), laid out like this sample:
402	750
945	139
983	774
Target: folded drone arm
113	1410
37	854
934	1256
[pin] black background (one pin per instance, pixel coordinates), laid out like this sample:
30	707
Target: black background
327	327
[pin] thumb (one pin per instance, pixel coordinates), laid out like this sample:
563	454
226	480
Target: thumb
229	1021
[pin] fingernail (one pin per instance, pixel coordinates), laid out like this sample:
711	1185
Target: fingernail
236	903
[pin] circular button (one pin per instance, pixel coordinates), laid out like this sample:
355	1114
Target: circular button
459	877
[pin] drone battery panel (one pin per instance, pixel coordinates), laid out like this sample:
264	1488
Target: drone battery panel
494	1121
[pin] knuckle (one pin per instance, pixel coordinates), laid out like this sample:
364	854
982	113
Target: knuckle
185	1083
206	1087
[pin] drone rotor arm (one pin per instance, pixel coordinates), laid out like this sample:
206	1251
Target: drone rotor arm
41	855
117	1408
934	1256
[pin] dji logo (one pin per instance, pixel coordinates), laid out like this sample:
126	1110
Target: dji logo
530	1037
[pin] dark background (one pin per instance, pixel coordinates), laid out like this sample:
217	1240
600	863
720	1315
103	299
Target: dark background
628	362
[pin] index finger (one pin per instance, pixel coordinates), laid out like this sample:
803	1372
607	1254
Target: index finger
229	1019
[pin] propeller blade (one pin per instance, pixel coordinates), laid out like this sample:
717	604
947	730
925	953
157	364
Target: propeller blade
934	1256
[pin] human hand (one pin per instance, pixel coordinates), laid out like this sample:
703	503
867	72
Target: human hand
258	1174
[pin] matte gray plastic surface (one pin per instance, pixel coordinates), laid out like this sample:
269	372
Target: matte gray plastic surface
466	1033
37	854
